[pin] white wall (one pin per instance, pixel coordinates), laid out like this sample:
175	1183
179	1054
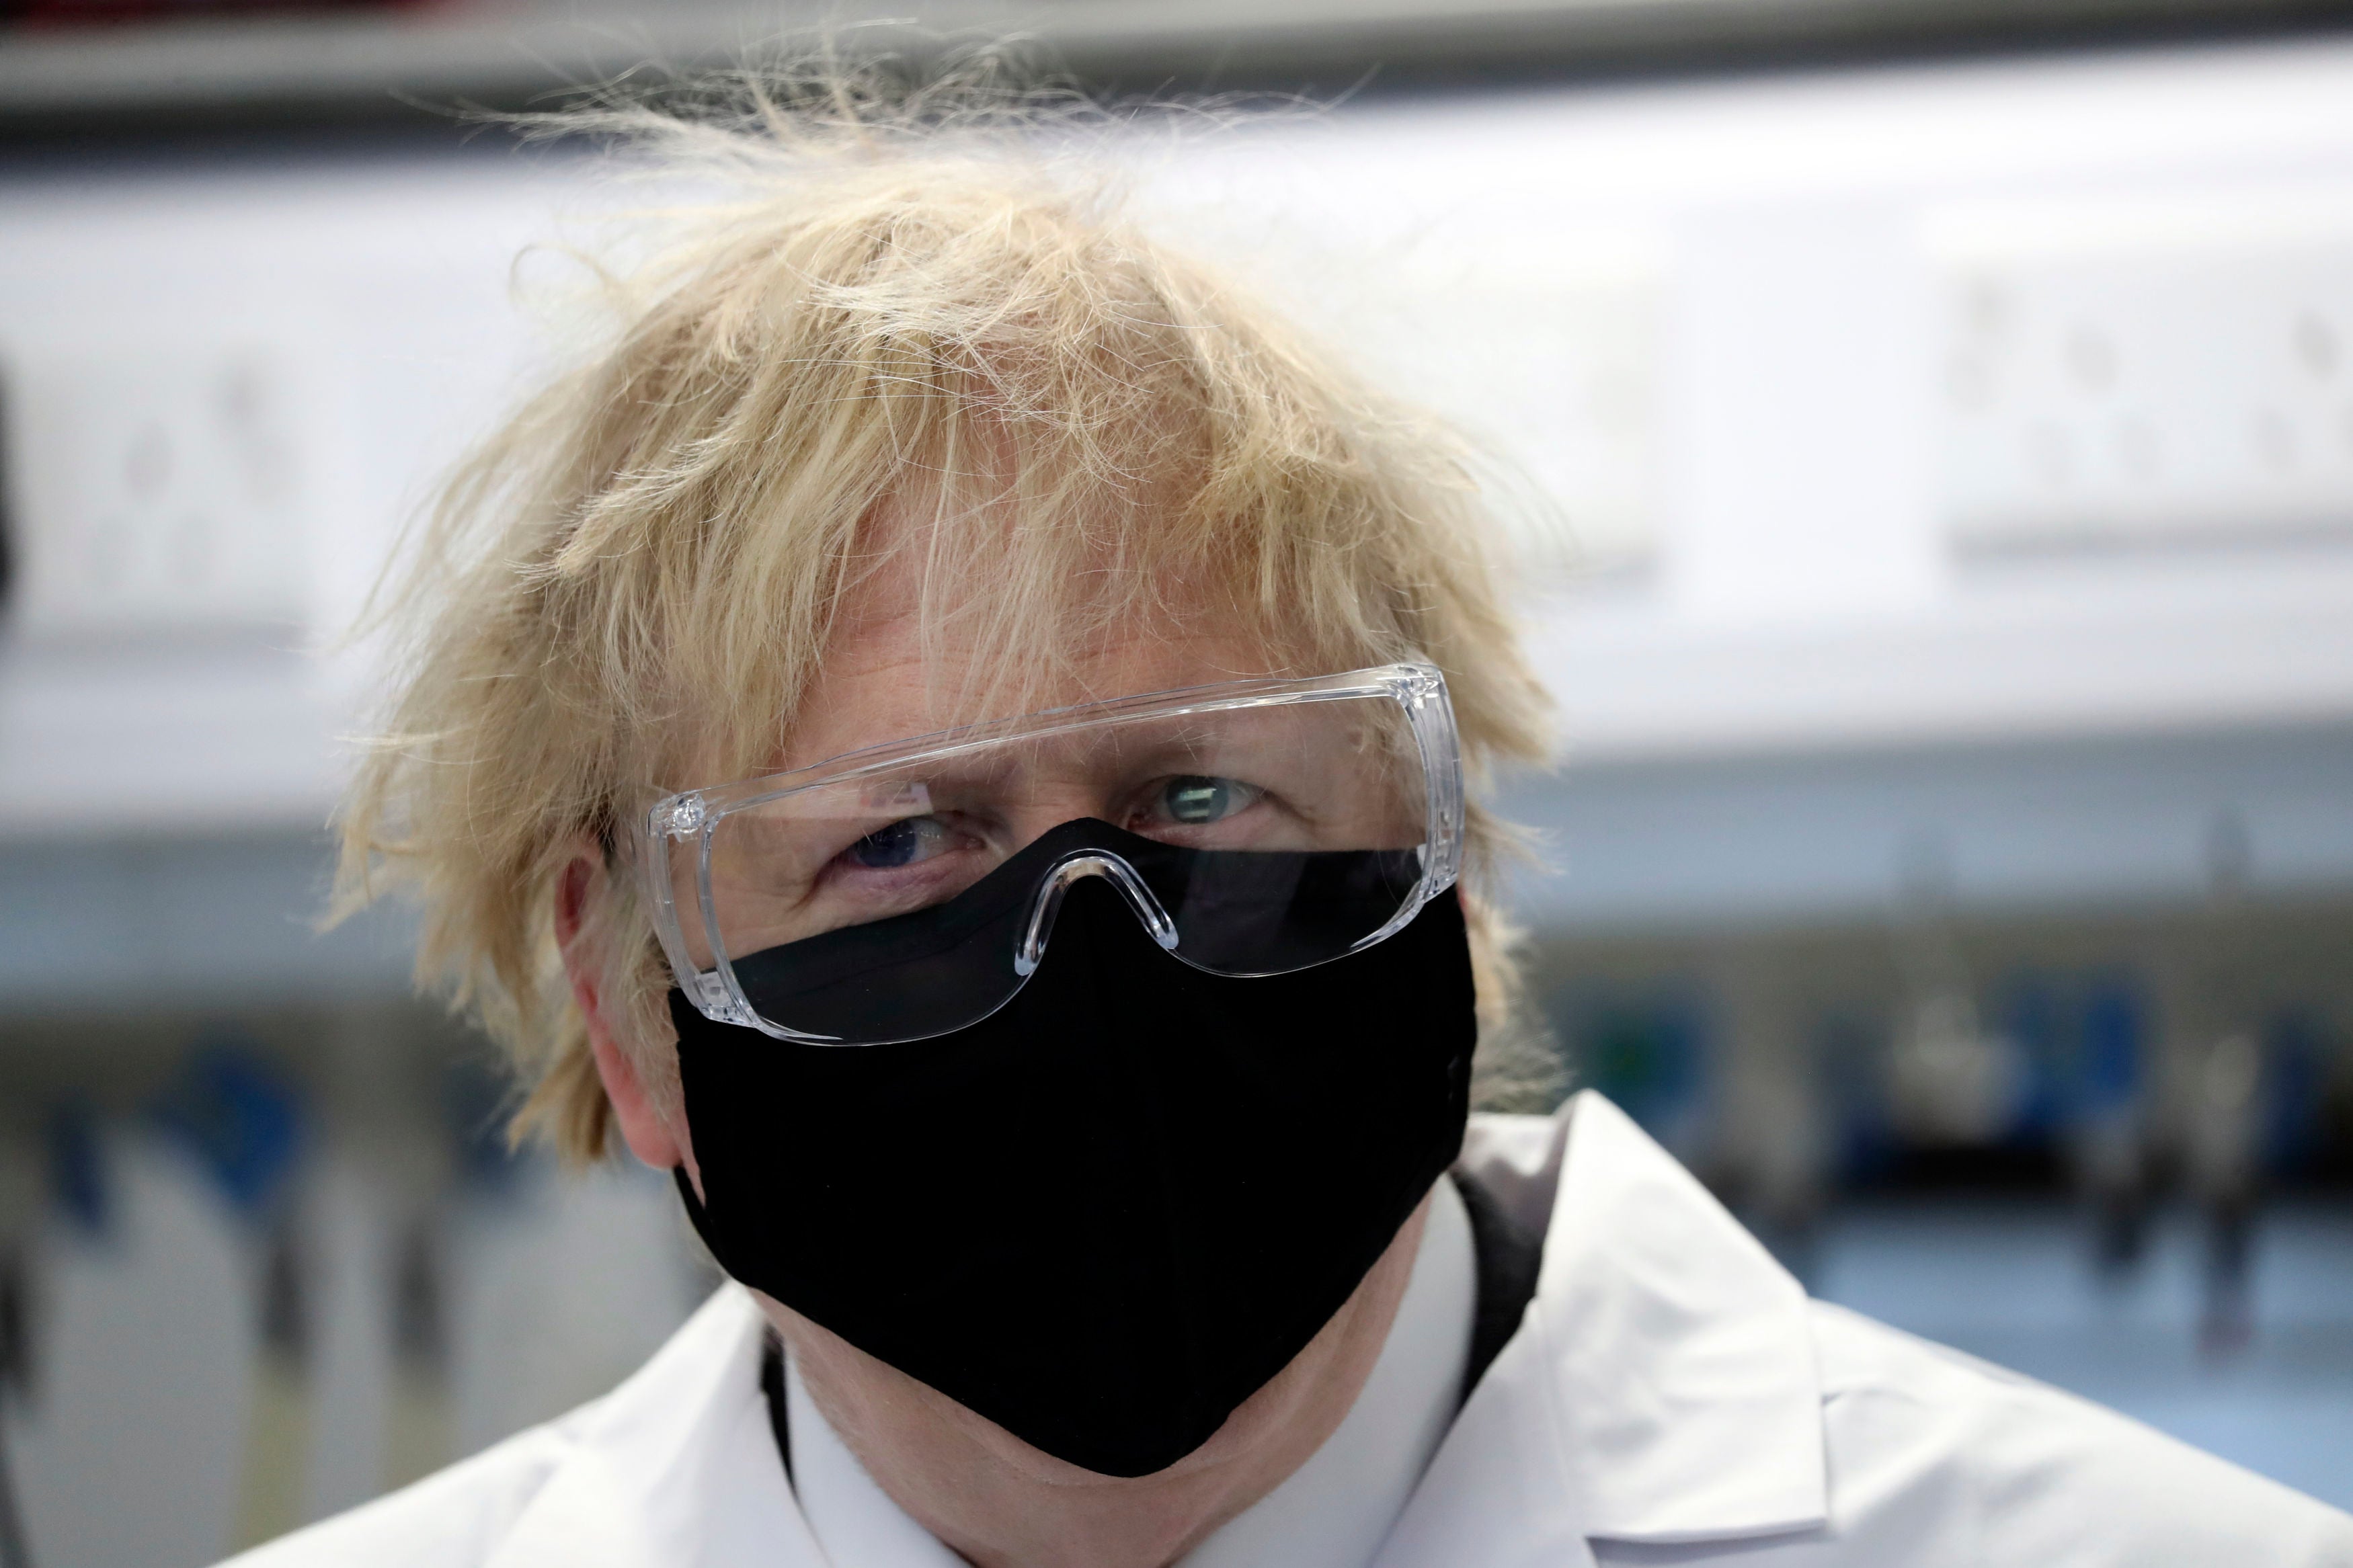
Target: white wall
1737	328
1858	535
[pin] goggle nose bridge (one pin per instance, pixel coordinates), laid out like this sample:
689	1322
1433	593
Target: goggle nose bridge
1047	902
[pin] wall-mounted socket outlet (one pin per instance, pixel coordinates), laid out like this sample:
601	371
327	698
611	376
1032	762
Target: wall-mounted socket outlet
156	488
2146	370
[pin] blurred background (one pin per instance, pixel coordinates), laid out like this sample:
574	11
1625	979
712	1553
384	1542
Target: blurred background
1933	431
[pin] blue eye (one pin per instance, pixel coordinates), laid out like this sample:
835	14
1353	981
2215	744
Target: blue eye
904	843
1196	798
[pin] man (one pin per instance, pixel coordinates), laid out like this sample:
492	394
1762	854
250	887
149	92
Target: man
1059	1014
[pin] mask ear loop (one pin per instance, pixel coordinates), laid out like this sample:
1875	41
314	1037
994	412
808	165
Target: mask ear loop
1031	950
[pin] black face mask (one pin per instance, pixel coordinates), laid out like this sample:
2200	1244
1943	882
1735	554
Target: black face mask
1109	1213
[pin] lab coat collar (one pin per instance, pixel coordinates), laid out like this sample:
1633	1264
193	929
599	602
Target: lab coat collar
1662	1386
676	1468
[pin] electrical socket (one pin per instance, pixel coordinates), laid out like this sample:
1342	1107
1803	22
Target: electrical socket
156	488
2150	370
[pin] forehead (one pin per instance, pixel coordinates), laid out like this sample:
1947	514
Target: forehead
884	679
946	620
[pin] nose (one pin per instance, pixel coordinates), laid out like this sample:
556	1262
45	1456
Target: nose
1047	902
1046	806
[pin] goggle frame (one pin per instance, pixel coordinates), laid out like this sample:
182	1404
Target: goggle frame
691	816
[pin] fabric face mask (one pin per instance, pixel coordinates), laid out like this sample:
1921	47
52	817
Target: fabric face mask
1108	1212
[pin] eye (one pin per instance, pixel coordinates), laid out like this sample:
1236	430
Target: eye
904	843
1197	798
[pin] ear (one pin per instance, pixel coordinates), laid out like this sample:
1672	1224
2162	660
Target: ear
647	1131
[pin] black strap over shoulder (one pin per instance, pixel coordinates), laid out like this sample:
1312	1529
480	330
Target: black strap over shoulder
1509	1256
772	1389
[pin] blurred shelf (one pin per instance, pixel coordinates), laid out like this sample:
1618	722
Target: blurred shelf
2010	829
410	66
2127	645
160	739
185	921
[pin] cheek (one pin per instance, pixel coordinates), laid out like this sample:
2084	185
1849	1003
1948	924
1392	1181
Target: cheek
642	1039
670	1104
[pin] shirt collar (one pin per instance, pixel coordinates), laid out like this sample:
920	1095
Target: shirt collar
1662	1386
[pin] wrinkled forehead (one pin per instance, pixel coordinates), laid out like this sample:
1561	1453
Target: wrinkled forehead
947	612
896	668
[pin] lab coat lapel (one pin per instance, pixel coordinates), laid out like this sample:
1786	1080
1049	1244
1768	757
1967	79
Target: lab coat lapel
675	1468
1498	1493
1682	1356
1662	1386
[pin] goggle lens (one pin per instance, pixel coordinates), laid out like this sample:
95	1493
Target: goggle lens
908	900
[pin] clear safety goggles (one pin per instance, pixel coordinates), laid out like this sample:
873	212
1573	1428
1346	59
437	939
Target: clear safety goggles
1254	827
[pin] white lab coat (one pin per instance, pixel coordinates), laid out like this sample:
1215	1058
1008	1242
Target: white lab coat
1671	1397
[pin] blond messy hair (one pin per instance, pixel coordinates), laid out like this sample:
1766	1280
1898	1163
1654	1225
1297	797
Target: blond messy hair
925	302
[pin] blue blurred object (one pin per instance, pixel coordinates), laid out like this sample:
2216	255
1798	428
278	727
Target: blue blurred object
240	1118
1645	1048
2294	1090
78	1167
477	1101
1852	1047
2108	1068
2081	1035
2035	1013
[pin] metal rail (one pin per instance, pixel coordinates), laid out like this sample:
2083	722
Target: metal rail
397	66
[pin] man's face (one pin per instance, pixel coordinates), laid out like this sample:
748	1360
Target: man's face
877	686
